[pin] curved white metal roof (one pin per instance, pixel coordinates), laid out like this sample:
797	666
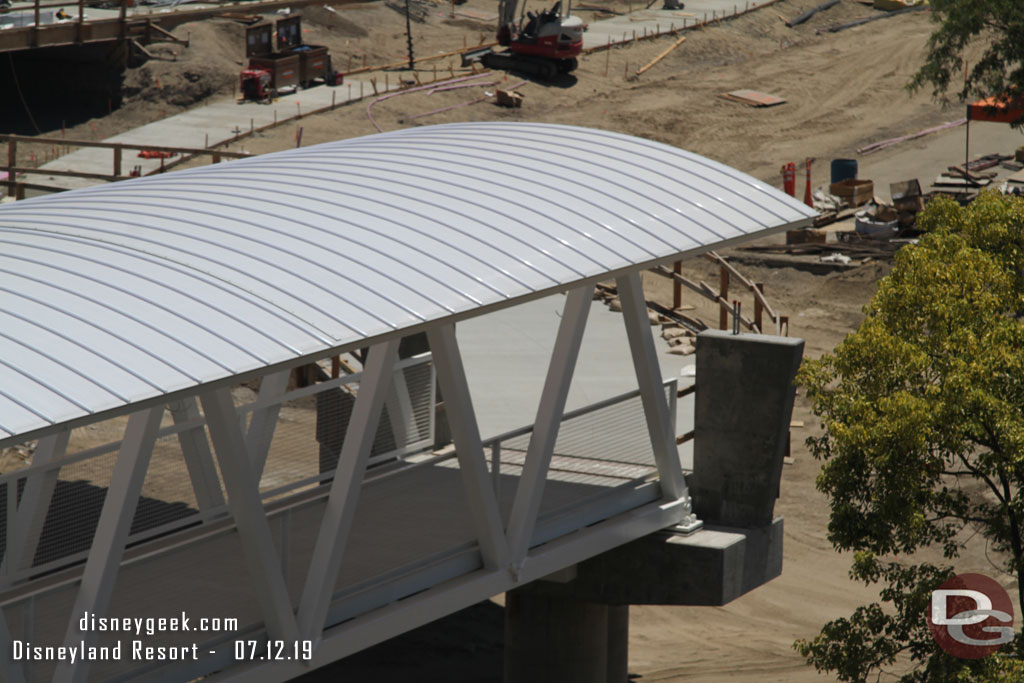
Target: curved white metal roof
122	293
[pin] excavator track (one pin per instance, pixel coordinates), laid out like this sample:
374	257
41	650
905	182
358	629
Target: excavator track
544	69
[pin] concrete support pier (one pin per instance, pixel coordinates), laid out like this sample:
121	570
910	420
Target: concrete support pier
742	408
561	640
574	627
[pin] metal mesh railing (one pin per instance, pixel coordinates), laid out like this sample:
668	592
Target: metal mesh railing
183	485
313	422
598	447
601	450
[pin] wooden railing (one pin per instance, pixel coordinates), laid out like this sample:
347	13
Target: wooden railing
780	323
117	148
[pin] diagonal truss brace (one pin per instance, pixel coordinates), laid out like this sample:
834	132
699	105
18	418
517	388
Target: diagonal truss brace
104	563
242	486
483	504
652	393
198	458
264	419
530	491
345	489
35	503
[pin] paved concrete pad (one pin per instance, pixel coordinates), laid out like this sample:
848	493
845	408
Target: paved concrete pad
217	121
506	355
657	20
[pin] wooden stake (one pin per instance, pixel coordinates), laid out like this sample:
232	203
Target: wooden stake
759	309
607	56
661	56
723	291
677	287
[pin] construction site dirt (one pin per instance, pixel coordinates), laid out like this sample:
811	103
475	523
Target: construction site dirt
842	91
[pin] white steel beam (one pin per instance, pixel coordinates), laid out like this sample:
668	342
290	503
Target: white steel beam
242	487
196	450
458	404
530	490
264	419
35	503
652	391
101	569
344	496
399	407
399	617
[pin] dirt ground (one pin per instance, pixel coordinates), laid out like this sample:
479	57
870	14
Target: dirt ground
842	91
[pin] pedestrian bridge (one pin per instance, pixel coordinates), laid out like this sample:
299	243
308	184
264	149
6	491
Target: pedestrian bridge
171	353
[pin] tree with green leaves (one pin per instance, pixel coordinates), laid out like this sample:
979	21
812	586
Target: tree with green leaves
996	28
922	411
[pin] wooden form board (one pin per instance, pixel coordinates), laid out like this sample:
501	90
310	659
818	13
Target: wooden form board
753	98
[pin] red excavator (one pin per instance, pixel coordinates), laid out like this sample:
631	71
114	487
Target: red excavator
543	44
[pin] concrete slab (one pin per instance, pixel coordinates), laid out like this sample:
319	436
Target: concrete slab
926	158
620	29
218	121
506	355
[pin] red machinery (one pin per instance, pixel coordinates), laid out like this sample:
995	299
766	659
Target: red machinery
255	84
543	44
291	65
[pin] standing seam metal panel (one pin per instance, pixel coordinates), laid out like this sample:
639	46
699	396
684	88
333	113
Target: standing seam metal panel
121	293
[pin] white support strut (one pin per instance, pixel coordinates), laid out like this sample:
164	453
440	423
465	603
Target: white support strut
35	503
242	486
345	489
198	458
104	563
530	490
264	420
483	505
652	392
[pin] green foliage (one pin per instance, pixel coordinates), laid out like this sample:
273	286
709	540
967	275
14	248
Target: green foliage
923	416
997	26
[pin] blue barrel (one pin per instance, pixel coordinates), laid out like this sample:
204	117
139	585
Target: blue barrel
843	169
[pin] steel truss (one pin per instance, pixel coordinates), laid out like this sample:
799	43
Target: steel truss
502	556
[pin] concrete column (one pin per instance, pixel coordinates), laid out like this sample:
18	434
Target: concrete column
618	644
556	640
743	405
